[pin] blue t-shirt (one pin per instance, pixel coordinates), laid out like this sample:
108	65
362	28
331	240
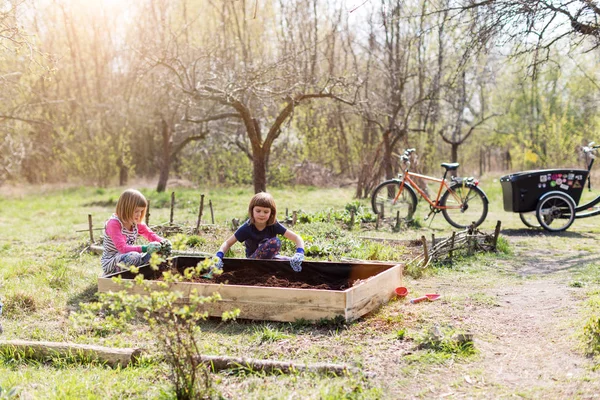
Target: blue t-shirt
252	237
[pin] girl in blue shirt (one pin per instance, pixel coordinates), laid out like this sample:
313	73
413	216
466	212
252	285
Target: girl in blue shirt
259	234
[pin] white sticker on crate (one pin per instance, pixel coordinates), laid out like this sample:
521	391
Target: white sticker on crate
565	187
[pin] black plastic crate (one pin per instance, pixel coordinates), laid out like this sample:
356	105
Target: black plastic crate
522	190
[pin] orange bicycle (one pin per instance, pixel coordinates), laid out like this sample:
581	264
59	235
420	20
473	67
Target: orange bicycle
462	203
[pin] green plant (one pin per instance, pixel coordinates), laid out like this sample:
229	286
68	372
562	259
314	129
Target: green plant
267	333
591	333
447	341
401	334
174	324
195	241
502	246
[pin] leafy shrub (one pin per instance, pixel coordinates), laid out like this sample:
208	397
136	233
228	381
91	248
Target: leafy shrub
175	326
195	241
591	333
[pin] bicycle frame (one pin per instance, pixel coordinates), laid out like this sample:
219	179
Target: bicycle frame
406	177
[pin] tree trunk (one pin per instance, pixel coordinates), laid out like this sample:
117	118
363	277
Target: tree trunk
167	141
454	156
387	156
123	172
259	165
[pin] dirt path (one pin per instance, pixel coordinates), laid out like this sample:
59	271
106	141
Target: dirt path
526	331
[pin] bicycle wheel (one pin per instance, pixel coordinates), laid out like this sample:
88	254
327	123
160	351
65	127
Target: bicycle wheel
467	204
555	211
385	204
529	219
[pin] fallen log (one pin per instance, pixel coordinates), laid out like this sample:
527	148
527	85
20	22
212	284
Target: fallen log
112	357
218	363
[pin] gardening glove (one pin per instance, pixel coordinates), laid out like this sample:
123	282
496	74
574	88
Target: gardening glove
152	247
296	261
217	265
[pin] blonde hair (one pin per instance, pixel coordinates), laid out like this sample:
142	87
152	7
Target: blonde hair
128	202
263	199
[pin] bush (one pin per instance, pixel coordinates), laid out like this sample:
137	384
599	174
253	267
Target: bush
175	326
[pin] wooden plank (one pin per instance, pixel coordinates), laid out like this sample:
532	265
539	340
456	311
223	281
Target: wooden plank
256	302
290	304
372	293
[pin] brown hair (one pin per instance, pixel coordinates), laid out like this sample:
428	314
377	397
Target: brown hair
128	202
263	199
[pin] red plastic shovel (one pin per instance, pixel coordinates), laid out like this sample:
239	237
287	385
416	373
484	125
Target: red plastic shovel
430	297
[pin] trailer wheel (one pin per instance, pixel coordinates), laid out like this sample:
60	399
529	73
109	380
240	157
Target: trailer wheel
555	211
530	219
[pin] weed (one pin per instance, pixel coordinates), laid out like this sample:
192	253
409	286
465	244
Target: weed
195	241
267	333
502	246
18	303
447	341
591	332
400	334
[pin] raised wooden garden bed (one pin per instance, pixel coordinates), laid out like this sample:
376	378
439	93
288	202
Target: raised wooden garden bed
270	290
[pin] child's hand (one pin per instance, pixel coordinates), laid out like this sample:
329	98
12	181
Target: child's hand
217	266
153	247
218	259
296	261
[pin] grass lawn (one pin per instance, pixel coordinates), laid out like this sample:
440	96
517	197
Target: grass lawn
46	274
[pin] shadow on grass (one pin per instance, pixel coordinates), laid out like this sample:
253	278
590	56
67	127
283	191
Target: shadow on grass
539	232
87	295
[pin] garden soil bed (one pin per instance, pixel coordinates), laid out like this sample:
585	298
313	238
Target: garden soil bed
323	275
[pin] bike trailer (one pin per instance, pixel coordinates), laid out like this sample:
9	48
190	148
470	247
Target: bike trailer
522	190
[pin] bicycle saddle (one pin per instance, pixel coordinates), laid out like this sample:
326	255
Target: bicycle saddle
450	166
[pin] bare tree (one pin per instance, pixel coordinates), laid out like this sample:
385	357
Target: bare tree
238	74
533	25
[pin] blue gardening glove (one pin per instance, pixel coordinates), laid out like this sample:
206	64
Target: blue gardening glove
218	265
296	261
152	247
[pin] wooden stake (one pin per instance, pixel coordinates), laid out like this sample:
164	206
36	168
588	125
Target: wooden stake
91	227
451	245
148	214
294	218
212	214
172	206
425	253
496	234
199	214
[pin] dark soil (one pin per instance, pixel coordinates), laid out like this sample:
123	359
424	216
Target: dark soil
274	279
321	275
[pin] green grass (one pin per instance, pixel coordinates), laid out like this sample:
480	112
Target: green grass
46	275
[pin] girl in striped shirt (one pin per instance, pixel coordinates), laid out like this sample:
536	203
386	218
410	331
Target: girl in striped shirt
121	232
